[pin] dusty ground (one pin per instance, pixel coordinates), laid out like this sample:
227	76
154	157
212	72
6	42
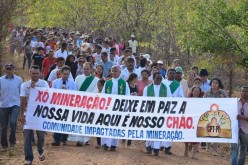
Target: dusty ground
88	155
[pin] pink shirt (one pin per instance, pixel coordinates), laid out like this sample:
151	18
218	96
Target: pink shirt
141	85
120	48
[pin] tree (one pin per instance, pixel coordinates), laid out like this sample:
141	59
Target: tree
9	9
218	28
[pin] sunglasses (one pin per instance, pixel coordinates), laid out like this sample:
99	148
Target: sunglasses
159	78
8	68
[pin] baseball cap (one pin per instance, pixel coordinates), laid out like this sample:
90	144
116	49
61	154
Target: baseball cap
179	69
160	62
9	65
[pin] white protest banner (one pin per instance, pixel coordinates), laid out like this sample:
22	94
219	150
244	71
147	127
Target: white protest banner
133	117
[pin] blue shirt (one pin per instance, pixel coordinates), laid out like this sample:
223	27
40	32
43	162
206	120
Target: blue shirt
34	38
79	42
206	86
106	67
69	84
10	91
162	72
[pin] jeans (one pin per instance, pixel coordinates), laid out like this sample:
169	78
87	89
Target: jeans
28	144
8	115
60	137
27	57
98	140
243	138
234	153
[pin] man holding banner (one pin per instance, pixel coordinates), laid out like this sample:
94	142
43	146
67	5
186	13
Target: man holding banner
156	89
25	91
87	83
176	91
63	83
175	87
118	86
243	124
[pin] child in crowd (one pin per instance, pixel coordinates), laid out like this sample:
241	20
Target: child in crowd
195	93
100	85
132	82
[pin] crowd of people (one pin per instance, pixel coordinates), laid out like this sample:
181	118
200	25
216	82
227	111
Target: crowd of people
88	62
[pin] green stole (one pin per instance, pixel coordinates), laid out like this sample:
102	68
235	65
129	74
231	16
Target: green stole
85	85
121	86
162	90
174	85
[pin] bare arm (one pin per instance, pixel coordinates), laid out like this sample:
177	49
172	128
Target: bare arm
242	117
32	63
23	108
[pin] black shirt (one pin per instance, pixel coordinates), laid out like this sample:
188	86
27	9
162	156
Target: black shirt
38	59
133	91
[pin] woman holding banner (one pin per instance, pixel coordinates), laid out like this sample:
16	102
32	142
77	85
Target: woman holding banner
196	93
216	91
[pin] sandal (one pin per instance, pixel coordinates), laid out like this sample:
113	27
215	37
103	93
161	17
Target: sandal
98	146
27	162
42	157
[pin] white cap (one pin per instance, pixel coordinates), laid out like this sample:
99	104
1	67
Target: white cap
147	56
160	62
132	36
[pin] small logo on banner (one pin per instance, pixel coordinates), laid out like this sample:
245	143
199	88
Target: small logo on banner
214	123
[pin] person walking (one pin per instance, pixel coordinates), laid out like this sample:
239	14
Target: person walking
116	85
156	89
35	73
10	86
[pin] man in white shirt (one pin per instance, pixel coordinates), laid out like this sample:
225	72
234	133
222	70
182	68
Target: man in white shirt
127	53
205	86
106	47
97	55
114	56
87	83
25	91
176	91
156	89
59	64
133	44
70	49
130	69
116	46
36	44
175	86
183	82
62	52
82	82
115	85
